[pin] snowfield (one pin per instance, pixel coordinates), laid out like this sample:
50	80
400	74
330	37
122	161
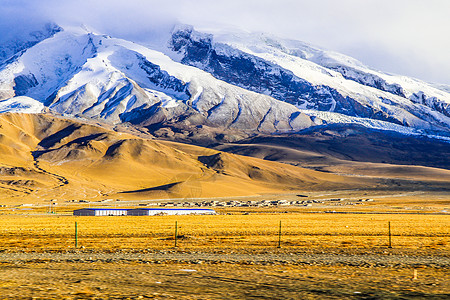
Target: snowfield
21	105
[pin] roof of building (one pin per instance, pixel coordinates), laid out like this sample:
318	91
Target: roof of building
103	209
173	208
146	209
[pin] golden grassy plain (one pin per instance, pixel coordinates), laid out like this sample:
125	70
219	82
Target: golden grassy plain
127	257
252	232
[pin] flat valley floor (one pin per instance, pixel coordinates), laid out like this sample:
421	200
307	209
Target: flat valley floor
233	255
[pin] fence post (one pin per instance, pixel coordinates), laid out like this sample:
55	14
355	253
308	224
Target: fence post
389	225
76	235
176	233
279	236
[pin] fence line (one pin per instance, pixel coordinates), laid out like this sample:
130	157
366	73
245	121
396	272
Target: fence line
192	239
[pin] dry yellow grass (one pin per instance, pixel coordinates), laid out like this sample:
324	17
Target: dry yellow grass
246	232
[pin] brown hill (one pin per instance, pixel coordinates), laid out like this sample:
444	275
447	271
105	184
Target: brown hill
44	157
322	146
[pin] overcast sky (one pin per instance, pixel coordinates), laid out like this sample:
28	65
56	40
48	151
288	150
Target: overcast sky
408	37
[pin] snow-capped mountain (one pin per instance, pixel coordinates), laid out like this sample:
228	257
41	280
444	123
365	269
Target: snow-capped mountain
81	73
251	82
311	78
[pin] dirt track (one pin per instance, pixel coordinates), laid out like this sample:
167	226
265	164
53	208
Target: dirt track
319	259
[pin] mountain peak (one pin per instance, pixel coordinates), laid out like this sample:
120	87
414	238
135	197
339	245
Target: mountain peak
17	40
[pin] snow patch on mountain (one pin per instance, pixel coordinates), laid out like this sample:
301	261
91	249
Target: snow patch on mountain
21	104
333	64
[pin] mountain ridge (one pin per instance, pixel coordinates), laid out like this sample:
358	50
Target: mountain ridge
177	92
89	89
315	87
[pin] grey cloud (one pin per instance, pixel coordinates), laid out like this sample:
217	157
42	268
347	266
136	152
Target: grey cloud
409	37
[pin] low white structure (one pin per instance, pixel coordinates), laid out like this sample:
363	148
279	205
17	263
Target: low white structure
141	211
170	211
101	212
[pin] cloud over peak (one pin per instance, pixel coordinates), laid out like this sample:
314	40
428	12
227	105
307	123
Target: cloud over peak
409	37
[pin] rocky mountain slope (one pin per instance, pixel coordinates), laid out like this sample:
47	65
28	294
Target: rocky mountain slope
43	157
80	112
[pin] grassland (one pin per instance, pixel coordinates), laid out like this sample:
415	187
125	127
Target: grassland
227	256
256	231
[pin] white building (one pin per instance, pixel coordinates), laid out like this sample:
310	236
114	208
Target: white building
101	212
141	211
170	211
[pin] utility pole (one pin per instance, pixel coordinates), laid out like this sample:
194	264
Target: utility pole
176	233
389	225
76	235
279	236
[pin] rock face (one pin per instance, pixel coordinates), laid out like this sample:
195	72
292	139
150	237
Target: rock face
249	83
247	71
367	79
